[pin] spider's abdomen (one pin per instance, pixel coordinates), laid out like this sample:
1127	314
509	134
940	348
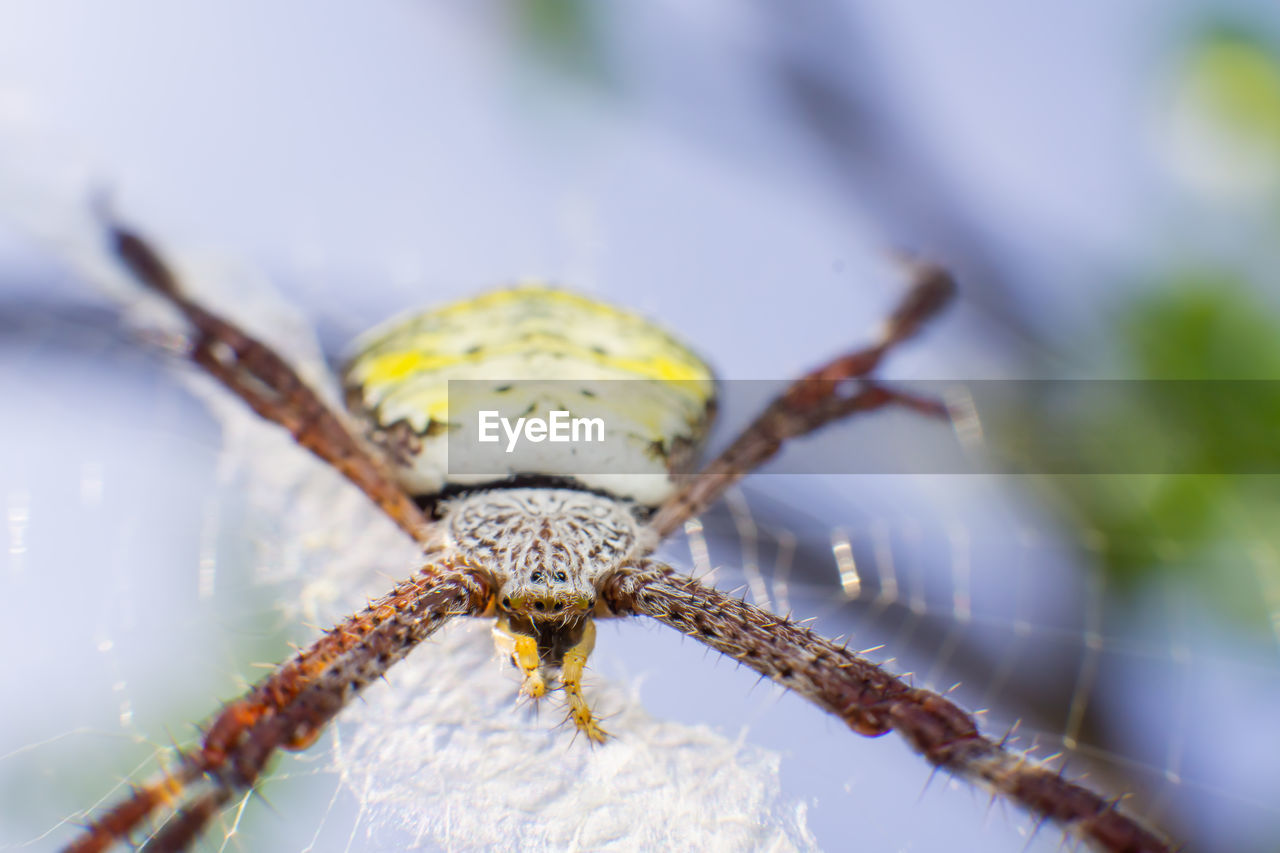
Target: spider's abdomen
531	351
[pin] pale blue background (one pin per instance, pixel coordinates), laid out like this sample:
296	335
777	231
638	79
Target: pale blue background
376	156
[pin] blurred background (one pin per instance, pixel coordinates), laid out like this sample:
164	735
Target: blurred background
1103	178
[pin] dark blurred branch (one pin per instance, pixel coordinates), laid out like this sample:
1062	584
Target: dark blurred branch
829	77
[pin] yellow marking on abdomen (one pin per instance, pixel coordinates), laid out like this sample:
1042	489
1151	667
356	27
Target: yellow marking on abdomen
401	372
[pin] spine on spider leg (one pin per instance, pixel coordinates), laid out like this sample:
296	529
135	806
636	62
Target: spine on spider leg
289	708
872	701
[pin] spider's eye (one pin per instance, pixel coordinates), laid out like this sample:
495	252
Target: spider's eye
538	605
562	577
536	577
506	603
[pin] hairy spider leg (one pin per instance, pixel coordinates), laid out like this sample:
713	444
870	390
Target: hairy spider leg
522	650
872	701
816	399
575	659
290	708
254	372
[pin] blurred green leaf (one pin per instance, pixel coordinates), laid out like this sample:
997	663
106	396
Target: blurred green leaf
1202	325
1236	80
562	32
1152	528
1222	131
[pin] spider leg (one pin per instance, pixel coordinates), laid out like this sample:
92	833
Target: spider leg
522	650
814	400
290	708
272	388
871	700
575	659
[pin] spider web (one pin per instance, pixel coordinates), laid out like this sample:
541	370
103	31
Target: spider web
160	541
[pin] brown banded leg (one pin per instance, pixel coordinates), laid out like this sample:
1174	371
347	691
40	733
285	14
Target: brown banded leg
817	398
289	709
272	388
871	700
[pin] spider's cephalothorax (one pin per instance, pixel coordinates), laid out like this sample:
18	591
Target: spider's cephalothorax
546	548
527	351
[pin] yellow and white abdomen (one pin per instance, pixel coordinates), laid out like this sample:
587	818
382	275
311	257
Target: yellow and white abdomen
527	352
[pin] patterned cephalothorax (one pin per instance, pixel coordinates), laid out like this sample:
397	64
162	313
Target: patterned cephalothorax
546	548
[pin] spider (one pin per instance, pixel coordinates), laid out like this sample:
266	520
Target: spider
544	551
